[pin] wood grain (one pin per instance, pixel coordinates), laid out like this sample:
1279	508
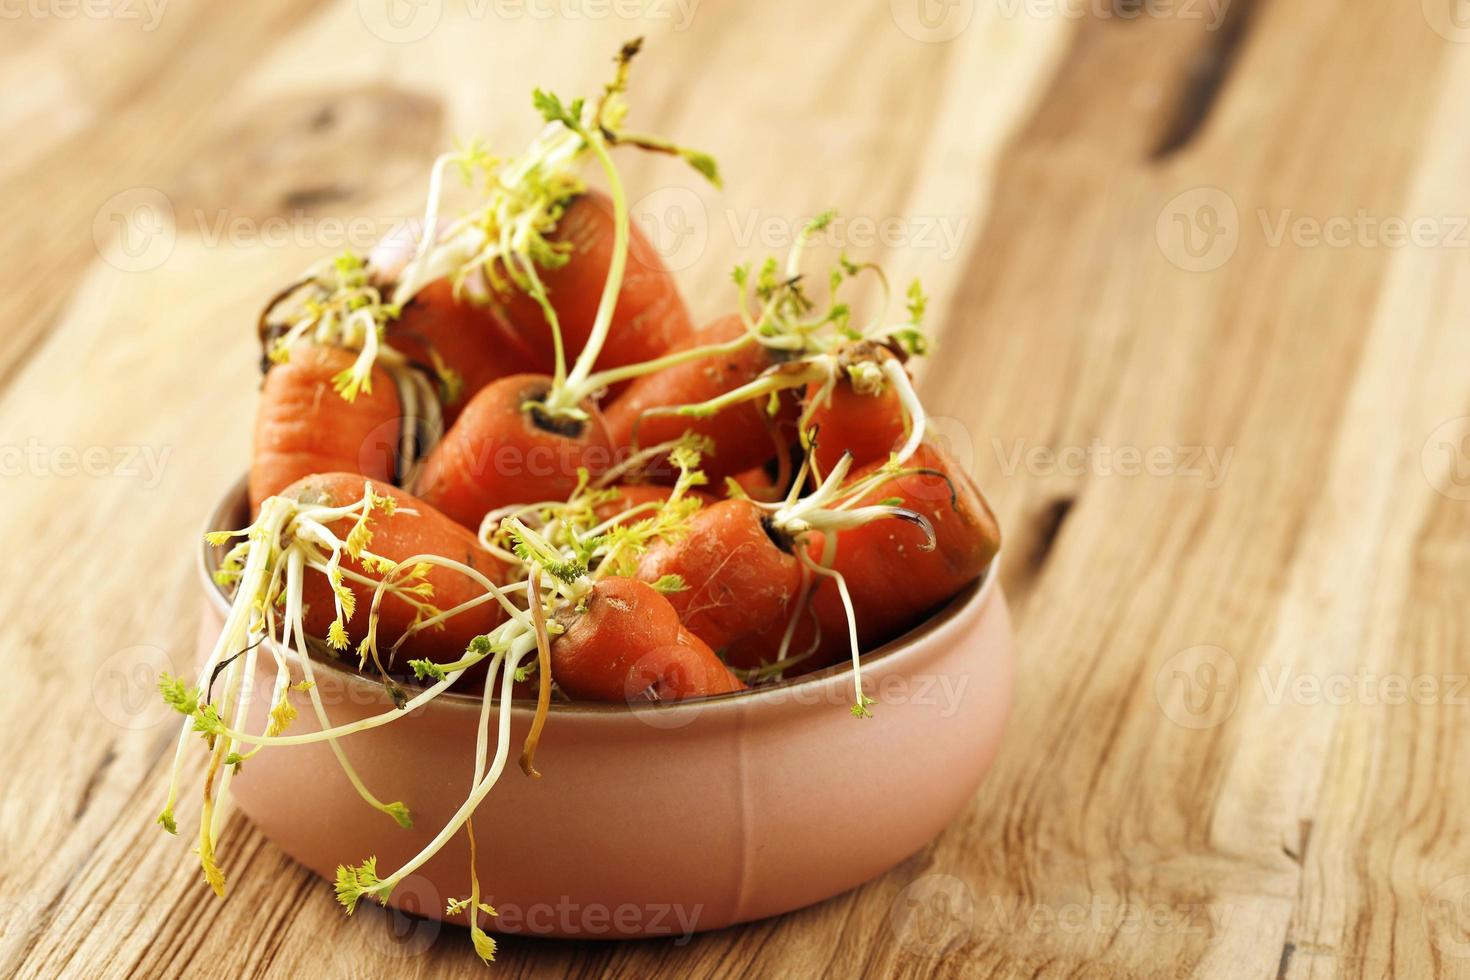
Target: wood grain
1162	229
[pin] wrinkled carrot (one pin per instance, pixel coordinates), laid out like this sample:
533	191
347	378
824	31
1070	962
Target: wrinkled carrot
844	417
504	451
744	435
302	426
436	327
414	528
650	316
626	644
739	576
894	579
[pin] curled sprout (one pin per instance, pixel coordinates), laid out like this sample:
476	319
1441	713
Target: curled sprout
266	567
338	305
810	345
834	506
501	245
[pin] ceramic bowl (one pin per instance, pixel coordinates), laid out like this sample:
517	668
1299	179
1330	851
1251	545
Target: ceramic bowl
654	819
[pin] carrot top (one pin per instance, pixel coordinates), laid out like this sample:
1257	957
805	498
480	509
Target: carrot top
498	245
502	243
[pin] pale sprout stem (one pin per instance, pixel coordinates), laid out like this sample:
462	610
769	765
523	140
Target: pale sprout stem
612	376
273	515
413	281
860	699
798	610
244	686
913	409
792	516
637	461
294	617
573	393
553	321
447	614
482	738
385	718
518	650
772	380
617	519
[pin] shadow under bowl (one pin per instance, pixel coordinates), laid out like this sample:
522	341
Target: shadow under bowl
651	819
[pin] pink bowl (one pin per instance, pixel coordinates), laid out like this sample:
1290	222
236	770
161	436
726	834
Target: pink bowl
651	820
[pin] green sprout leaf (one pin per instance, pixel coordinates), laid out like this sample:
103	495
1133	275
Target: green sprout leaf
282	714
355	882
484	945
669	584
705	164
551	109
180	697
917	302
427	670
207	721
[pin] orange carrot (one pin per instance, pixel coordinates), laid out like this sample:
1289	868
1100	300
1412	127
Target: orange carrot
413	528
894	580
892	575
650	316
744	435
758	483
625	643
739	576
302	426
469	339
844	417
504	450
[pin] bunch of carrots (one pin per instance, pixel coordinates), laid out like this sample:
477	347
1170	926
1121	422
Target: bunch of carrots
497	454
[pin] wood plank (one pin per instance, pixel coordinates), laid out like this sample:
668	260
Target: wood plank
1304	401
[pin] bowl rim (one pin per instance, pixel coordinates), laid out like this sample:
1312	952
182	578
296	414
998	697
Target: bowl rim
229	508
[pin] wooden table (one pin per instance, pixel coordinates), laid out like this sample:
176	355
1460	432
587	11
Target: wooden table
1200	278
